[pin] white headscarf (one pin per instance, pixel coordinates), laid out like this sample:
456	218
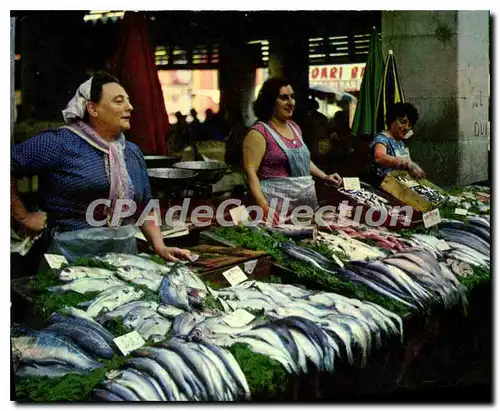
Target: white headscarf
78	104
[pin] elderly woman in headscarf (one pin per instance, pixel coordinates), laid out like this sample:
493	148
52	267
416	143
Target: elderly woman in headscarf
88	173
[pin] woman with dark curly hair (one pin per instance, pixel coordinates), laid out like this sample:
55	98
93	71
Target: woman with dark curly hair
388	149
277	163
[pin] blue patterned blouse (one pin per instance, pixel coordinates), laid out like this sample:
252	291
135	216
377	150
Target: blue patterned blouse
394	148
72	175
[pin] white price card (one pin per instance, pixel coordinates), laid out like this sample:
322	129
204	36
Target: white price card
461	211
250	266
127	343
238	318
442	245
55	260
351	183
239	214
431	218
338	260
235	275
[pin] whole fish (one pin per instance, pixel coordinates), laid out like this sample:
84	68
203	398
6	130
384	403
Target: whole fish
88	285
112	298
124	309
140	276
292	291
154	328
155	370
73	318
185	379
136	316
184	323
377	288
105	395
297	253
120	391
154	383
225	386
121	260
88	339
169	311
137	382
468	239
45	347
77	272
173	290
269	336
50	370
232	366
195	363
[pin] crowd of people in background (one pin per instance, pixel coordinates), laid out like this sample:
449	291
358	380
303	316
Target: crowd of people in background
229	127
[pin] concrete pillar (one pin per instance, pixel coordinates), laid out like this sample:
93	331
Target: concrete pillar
443	62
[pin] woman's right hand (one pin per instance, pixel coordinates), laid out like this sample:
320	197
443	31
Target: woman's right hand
35	222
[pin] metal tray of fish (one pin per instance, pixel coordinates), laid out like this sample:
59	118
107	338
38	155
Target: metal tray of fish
369	199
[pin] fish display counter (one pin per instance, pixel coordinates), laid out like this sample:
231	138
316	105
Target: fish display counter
349	305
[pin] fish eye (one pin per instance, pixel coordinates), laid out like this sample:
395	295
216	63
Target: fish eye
67	270
127	268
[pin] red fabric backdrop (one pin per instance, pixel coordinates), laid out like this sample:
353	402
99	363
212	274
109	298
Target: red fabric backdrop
133	63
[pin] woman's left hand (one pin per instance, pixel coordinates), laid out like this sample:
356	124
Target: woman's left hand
334	178
173	253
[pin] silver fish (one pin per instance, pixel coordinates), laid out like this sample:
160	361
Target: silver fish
155	370
140	276
137	382
88	285
112	298
77	272
121	260
154	328
45	347
169	311
124	309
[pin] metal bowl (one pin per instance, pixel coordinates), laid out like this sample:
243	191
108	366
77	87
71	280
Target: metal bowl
208	171
161	161
170	180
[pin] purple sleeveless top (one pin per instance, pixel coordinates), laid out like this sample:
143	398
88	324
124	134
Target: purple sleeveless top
275	162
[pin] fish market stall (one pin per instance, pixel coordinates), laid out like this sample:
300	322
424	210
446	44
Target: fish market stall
333	313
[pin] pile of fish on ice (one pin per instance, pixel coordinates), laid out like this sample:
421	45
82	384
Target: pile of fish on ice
477	196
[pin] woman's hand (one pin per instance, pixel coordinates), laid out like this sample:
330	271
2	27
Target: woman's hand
335	179
173	253
35	222
415	171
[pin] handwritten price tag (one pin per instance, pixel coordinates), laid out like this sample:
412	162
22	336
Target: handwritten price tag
129	342
461	211
55	260
238	318
239	214
351	183
235	275
442	245
431	218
